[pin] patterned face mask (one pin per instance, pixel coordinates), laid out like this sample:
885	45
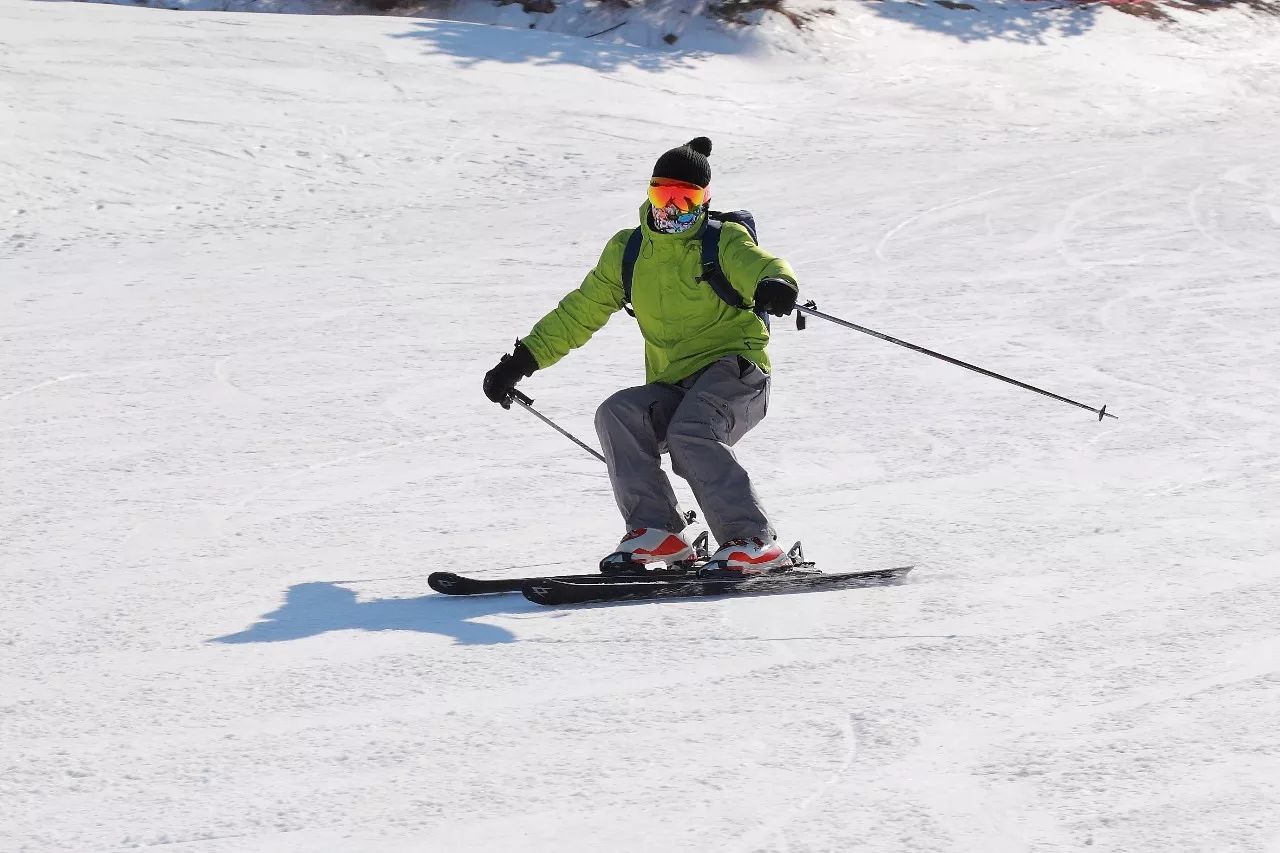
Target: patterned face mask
672	220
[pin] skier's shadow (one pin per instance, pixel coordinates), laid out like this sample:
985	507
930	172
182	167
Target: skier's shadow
318	607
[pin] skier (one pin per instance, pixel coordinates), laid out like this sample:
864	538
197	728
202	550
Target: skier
707	370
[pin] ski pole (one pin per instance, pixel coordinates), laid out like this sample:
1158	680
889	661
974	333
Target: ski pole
527	403
812	308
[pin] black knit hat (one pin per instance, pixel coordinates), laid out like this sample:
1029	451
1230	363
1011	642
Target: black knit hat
687	163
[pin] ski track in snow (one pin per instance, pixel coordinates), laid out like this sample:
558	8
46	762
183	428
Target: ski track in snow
253	267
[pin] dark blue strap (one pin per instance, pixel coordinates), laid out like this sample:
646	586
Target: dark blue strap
711	272
713	275
629	256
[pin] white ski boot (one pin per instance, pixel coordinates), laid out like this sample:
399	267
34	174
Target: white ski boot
748	557
646	548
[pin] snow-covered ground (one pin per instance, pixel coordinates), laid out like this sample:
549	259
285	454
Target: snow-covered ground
252	269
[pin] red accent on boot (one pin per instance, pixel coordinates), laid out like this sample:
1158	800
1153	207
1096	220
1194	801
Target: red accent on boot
734	556
670	549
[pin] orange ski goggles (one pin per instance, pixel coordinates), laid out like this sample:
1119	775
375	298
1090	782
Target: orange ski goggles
665	193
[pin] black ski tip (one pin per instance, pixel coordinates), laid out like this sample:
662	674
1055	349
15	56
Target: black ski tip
444	582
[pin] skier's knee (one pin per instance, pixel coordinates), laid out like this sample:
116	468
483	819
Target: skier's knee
615	409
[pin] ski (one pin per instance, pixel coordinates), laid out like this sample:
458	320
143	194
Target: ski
559	591
449	583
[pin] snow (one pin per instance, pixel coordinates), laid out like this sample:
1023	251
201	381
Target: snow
253	267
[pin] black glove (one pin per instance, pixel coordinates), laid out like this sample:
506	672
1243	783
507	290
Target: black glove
776	295
510	369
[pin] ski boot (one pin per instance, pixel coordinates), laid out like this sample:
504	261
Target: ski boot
743	558
647	548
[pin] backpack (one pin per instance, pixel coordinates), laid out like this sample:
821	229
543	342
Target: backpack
711	272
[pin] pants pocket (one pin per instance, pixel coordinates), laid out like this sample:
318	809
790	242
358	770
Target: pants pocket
756	392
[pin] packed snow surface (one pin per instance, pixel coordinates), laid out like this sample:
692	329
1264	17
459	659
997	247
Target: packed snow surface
252	269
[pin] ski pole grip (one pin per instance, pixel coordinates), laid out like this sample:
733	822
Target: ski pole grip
521	397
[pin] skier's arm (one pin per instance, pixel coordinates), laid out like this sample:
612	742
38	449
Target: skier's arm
583	312
745	264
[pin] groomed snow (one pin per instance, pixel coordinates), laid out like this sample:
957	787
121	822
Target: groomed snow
253	267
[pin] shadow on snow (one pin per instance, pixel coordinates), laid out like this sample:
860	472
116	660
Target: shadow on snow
318	607
1027	21
472	44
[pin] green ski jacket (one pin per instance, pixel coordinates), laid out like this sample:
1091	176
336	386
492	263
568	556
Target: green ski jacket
685	325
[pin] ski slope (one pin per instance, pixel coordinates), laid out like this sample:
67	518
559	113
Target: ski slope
253	268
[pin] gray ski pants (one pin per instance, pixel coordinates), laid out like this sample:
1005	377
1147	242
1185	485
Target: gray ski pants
697	421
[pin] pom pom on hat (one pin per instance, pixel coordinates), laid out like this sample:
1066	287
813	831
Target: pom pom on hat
701	144
687	163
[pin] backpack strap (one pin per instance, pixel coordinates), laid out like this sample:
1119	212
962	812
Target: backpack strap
711	272
713	275
629	256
